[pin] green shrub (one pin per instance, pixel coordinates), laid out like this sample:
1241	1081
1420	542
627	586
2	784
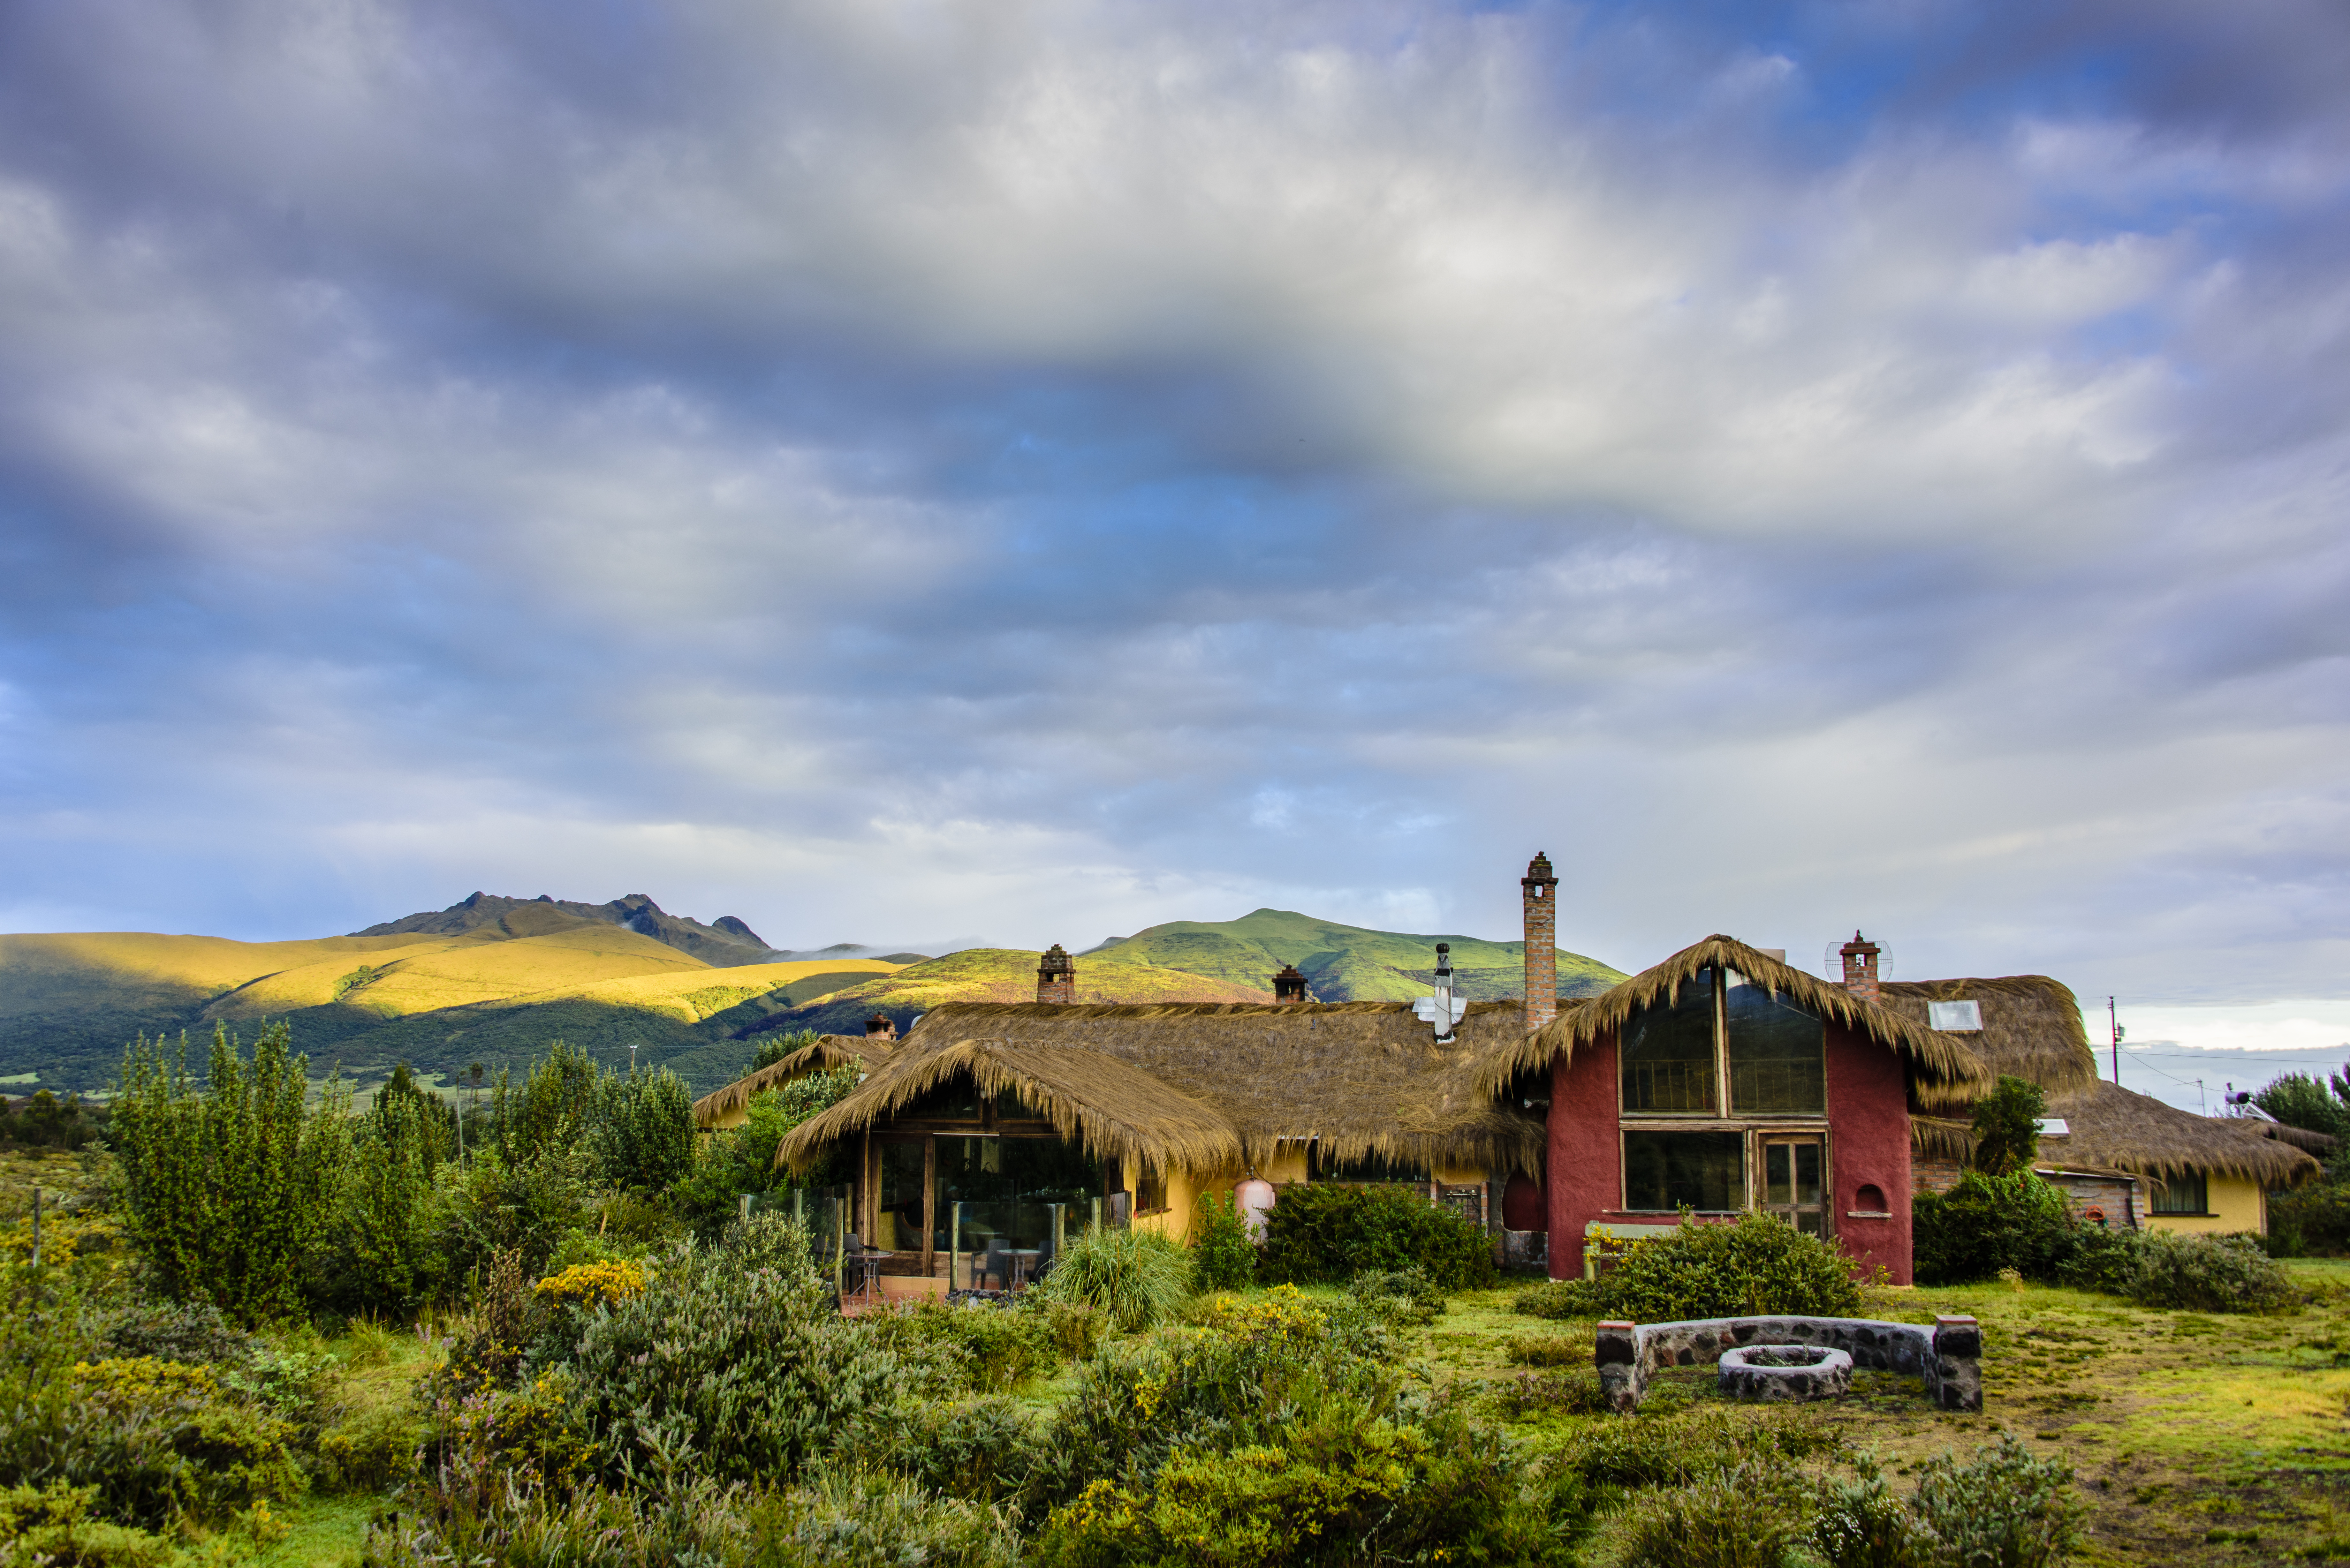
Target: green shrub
1556	1299
731	1354
52	1526
193	1332
1346	1483
2101	1258
996	1348
2007	1127
1986	1223
1860	1524
2310	1221
1740	1518
2207	1273
1327	1234
551	1109
228	1191
1223	1255
1754	1265
159	1442
496	1207
368	1449
984	1449
1076	1326
2003	1509
387	1252
1134	1278
641	1133
1407	1294
1574	1391
855	1521
1681	1448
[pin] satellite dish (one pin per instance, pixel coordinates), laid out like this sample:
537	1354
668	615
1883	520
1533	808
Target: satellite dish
1832	961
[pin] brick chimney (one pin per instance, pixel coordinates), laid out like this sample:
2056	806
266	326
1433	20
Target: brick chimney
880	1026
1289	985
1541	886
1861	967
1057	977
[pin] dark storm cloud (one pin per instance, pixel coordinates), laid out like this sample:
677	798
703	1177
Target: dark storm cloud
1058	468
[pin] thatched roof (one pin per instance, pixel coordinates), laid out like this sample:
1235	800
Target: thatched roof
866	1051
1941	1064
2117	1128
2300	1138
1217	1084
1941	1137
1111	1107
2030	1025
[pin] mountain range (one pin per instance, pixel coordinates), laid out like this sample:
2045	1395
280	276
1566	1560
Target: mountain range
493	979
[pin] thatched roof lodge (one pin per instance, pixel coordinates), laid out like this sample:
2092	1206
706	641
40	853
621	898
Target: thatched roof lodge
2195	1173
1943	1068
988	1115
2200	1173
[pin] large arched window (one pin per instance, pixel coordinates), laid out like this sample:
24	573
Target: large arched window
1724	1035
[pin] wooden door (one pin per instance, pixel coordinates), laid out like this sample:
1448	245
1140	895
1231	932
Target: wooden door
1794	1181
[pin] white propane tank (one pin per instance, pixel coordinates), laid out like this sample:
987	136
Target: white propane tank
1253	1198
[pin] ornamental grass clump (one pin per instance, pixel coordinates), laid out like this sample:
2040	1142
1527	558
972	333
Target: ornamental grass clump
1134	1278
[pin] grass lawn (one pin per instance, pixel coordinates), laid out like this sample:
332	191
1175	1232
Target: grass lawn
2197	1438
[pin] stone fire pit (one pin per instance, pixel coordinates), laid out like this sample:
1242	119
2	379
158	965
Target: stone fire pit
1784	1372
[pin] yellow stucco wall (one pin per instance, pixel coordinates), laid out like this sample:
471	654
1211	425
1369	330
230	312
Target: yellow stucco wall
1184	1187
2238	1203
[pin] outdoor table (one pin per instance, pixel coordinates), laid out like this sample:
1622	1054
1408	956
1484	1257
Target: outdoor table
869	1267
1024	1263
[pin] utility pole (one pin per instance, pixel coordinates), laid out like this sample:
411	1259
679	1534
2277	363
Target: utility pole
2114	1021
2202	1098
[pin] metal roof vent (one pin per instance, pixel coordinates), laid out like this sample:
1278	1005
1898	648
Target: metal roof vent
1443	1010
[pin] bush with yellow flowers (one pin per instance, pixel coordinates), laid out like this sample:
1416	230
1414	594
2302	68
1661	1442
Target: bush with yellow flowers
606	1283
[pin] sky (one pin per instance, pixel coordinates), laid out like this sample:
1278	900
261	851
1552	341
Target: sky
923	473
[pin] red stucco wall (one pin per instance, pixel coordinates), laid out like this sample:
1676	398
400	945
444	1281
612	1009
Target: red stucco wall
1584	1179
1868	1145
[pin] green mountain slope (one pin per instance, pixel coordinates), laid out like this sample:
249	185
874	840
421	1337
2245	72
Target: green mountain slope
1001	974
1341	963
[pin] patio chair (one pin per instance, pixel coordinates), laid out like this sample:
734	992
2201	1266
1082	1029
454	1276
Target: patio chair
998	1264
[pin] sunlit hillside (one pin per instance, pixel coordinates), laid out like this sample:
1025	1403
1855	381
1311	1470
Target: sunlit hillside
1003	974
456	971
496	994
1341	963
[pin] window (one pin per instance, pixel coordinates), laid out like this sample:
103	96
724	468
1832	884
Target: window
1668	1053
1150	1188
1368	1167
2182	1193
1664	1171
1954	1016
1777	1063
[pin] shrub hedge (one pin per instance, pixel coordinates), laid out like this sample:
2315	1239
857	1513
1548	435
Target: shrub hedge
1328	1233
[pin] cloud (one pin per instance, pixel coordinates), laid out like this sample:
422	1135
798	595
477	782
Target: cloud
1035	470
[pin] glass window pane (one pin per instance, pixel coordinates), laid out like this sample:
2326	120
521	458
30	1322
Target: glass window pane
1778	1185
1776	1053
899	1227
2181	1194
1706	1170
1807	1173
1004	1184
1668	1052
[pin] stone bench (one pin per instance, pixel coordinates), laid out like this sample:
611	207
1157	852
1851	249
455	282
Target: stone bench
1948	1356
